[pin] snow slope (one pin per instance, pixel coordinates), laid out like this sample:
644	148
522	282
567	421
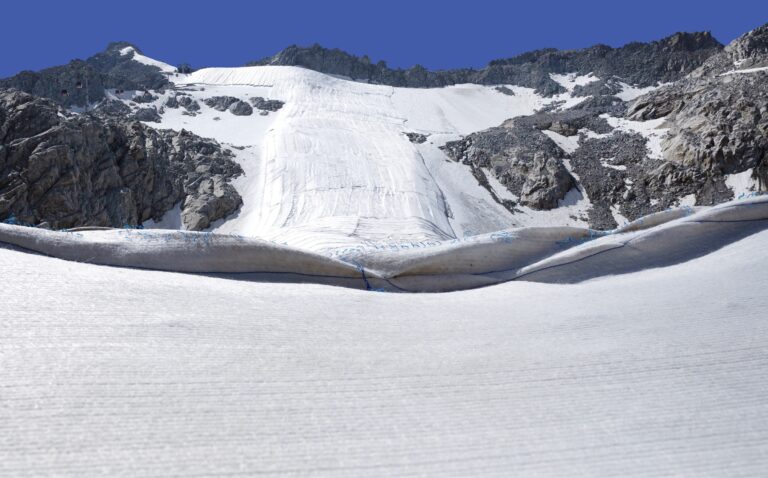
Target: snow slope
333	168
128	372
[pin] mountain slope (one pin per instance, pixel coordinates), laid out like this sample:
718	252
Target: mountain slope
331	163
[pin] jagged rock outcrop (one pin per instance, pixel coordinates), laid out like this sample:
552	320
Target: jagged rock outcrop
718	115
416	138
598	88
188	104
614	168
521	157
241	108
147	114
100	170
717	121
144	97
70	84
229	103
527	161
546	182
220	103
266	105
642	64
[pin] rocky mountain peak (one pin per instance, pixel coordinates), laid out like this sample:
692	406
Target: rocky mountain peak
119	46
751	45
685	41
80	81
642	64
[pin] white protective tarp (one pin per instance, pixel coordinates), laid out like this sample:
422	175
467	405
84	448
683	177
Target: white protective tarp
542	254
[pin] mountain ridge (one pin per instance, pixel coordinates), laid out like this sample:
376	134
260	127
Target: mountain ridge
526	69
112	69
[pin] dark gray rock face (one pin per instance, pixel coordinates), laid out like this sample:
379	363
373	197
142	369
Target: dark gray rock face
118	110
416	138
112	109
718	116
521	157
180	100
188	103
613	171
546	182
642	64
147	114
529	163
611	105
229	103
70	84
211	197
97	170
505	91
617	171
220	103
241	108
144	97
717	120
598	88
266	105
568	122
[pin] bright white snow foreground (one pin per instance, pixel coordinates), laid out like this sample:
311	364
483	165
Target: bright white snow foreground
115	371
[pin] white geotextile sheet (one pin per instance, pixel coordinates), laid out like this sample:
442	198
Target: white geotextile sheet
542	254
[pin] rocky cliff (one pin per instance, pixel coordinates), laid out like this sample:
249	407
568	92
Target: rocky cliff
714	119
719	113
78	80
641	64
60	170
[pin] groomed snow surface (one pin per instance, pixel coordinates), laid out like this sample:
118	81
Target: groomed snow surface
110	371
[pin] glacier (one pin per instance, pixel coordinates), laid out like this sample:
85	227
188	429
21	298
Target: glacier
290	339
333	168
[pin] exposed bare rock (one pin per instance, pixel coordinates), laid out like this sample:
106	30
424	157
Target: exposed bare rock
144	97
99	170
241	108
80	80
642	64
547	181
718	116
147	114
266	105
416	138
220	103
522	158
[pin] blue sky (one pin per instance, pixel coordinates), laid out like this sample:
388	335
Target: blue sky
446	34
